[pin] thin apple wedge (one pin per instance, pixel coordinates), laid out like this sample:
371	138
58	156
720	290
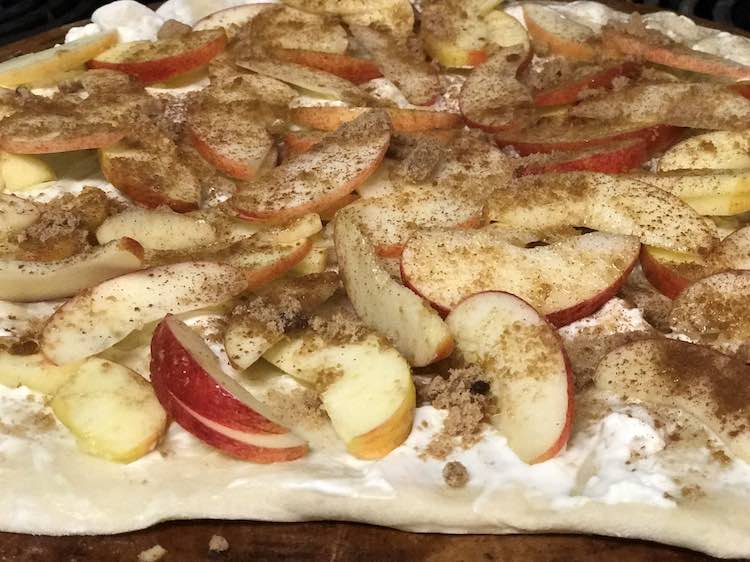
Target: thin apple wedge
259	323
56	60
663	51
553	33
262	262
151	174
232	18
338	7
19	172
309	79
98	318
303	227
609	203
666	104
733	252
16	213
156	61
313	181
365	385
231	85
416	79
25	281
492	98
460	34
699	381
447	266
353	69
205	401
394	16
111	410
528	370
717	150
403	120
34	371
158	229
670	272
601	78
414	328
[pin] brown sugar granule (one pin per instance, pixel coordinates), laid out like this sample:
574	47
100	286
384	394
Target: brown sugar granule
455	474
300	407
467	410
152	554
218	544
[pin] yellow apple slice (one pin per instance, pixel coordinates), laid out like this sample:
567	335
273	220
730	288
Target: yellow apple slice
102	316
338	7
112	411
717	150
397	16
529	373
704	383
34	371
21	171
415	329
26	281
16	214
37	66
303	227
608	203
158	229
553	33
365	386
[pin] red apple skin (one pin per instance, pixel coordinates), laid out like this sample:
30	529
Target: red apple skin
570	414
260	276
354	69
665	279
60	143
568	92
233	168
174	370
653	134
297	142
743	89
163	68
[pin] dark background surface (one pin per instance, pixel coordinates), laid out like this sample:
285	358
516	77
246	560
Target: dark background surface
23	18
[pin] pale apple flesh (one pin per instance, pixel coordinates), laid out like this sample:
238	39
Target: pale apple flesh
262	262
527	367
699	381
18	172
34	371
16	213
718	150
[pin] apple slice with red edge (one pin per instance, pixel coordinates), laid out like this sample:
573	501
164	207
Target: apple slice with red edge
600	79
492	98
259	323
403	120
446	266
313	181
554	33
263	262
526	365
156	61
383	304
205	401
27	281
232	18
670	272
661	50
356	70
101	316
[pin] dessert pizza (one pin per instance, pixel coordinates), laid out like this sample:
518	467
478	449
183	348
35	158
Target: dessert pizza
451	267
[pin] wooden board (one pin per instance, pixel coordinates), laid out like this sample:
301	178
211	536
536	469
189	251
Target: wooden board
187	541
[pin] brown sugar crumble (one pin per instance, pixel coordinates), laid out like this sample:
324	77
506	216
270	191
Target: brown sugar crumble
300	407
217	543
466	397
455	474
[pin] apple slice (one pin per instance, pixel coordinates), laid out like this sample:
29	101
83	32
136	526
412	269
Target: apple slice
297	142
733	252
19	172
16	214
492	98
670	272
718	150
460	35
528	370
447	266
316	179
309	79
403	120
259	323
356	70
152	174
394	16
98	318
699	381
111	410
34	371
577	135
365	385
383	304
206	402
294	231
158	229
231	137
232	18
666	103
610	203
156	61
262	262
659	49
56	60
600	79
417	80
26	281
338	7
553	33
